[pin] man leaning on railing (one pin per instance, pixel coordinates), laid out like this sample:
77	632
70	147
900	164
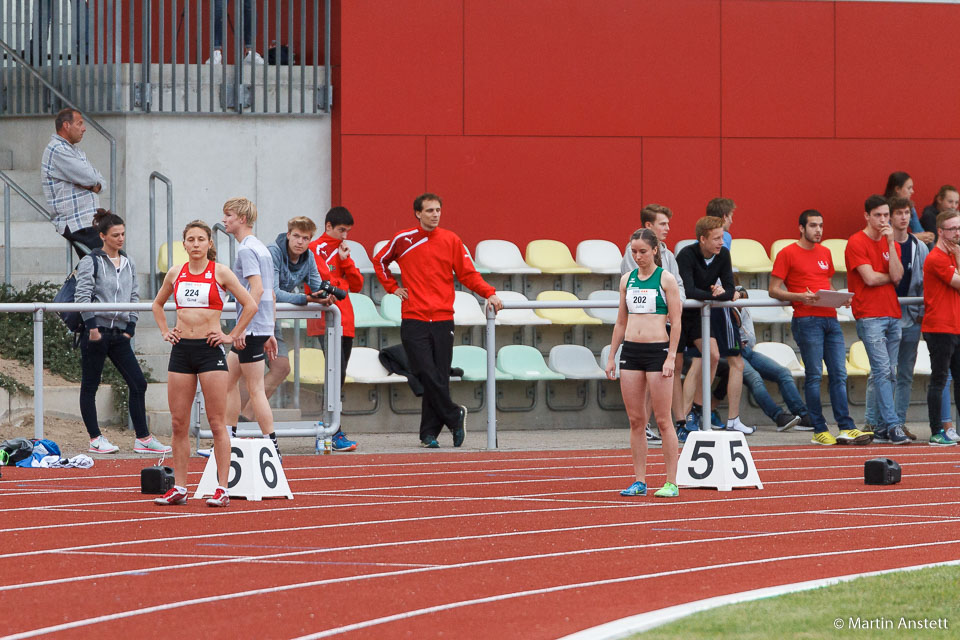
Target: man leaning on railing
70	183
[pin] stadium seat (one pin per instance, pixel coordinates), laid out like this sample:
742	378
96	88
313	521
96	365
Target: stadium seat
771	315
364	367
600	256
858	364
683	243
525	363
564	316
179	257
552	256
473	361
922	366
783	355
605	353
575	362
359	255
365	313
749	256
394	266
390	308
778	245
607	316
837	248
313	367
467	311
521	317
501	256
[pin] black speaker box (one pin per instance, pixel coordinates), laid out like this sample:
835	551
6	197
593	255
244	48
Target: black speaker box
881	471
156	480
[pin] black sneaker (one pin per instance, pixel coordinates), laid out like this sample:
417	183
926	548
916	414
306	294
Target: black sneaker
429	443
785	421
806	424
652	436
880	437
460	431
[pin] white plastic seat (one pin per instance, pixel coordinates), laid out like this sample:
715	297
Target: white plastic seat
394	266
683	243
770	315
359	255
600	256
783	355
519	317
605	353
501	256
922	367
575	362
365	368
467	311
609	316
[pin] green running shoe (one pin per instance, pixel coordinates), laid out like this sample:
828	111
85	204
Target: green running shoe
668	490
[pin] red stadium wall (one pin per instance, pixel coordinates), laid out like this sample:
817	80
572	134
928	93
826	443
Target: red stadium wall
558	118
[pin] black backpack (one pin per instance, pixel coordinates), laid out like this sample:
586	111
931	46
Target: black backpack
68	291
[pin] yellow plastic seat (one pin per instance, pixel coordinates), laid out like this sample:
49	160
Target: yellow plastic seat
564	316
778	246
552	256
179	256
858	364
838	247
313	367
749	256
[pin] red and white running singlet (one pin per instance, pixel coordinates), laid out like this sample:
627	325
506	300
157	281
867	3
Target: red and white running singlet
200	291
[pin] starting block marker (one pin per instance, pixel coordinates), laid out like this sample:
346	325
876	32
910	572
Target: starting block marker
255	472
717	459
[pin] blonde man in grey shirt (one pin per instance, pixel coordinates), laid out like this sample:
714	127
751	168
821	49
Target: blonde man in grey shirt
656	217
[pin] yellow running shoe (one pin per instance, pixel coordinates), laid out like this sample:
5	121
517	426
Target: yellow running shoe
854	436
824	437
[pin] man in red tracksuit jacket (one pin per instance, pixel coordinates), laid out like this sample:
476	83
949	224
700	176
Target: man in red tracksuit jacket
429	257
335	264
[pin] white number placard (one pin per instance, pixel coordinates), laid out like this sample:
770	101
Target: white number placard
255	472
717	459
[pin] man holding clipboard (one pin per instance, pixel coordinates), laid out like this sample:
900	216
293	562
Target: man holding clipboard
801	275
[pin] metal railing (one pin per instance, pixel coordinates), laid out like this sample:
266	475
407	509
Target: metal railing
332	382
156	175
158	55
218	228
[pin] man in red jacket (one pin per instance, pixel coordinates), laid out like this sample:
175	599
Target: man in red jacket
335	264
429	257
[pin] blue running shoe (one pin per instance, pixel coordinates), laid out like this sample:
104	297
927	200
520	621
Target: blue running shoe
340	442
682	433
693	421
636	489
430	443
715	419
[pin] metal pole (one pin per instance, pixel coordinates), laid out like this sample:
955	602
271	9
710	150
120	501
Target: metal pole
327	79
6	233
152	211
491	387
38	374
705	364
296	363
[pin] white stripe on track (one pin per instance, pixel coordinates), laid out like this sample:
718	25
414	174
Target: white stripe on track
452	605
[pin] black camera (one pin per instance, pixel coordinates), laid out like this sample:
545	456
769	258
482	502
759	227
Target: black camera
327	289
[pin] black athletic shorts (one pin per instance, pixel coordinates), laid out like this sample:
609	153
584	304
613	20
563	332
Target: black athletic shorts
724	329
643	356
253	351
194	355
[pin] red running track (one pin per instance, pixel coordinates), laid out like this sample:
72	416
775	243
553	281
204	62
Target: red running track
465	545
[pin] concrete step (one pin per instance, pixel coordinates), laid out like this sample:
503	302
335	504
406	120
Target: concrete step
62	401
29	181
33	234
160	422
6	160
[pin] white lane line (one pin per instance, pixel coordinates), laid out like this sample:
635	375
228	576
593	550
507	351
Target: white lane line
486	536
651	619
452	605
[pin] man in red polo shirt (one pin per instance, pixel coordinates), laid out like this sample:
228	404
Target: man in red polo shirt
873	272
799	272
429	257
941	320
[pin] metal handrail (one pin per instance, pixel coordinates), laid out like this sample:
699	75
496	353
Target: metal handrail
156	175
232	242
87	118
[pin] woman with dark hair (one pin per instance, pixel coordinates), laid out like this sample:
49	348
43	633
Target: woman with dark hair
109	275
648	296
900	185
199	289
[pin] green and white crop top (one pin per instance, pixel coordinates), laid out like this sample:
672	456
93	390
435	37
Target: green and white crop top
646	296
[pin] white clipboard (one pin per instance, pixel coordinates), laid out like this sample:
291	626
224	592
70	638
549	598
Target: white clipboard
830	298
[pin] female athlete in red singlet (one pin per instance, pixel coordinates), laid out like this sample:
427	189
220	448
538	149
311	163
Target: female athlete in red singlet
198	288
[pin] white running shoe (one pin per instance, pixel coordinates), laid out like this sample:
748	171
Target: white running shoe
253	55
736	425
217	57
952	434
150	445
100	444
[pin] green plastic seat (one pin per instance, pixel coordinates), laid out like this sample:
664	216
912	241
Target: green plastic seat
390	308
365	313
473	361
525	363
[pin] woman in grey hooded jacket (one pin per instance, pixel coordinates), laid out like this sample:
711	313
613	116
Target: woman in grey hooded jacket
109	275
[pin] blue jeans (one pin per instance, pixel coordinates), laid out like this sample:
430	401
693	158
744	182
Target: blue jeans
821	341
881	339
757	368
